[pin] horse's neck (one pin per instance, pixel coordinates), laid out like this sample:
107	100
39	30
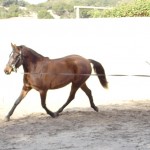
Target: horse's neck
31	60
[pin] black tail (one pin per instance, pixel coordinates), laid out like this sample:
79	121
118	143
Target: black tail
99	70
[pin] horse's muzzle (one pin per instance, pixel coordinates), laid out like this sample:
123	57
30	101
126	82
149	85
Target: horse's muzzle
8	70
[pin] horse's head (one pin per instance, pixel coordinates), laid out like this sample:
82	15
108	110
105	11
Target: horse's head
15	60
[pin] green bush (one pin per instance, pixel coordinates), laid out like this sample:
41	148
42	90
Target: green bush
43	14
3	13
63	9
12	11
94	13
137	8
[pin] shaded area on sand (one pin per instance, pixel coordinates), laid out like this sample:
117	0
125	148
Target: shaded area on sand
117	126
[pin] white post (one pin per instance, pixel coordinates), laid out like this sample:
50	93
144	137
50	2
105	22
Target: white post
77	12
77	8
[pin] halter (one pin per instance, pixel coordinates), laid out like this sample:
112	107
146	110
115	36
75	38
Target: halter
18	58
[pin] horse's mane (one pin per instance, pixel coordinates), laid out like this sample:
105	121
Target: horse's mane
31	51
26	51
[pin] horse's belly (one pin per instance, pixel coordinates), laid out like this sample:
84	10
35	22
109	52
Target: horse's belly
59	83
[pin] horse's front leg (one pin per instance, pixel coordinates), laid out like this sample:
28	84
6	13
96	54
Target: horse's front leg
23	93
43	94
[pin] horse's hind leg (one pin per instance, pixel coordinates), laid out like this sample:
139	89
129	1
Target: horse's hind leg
43	100
89	94
73	91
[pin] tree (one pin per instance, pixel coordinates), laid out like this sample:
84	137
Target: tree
7	3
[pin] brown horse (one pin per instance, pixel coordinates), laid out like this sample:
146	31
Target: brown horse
42	74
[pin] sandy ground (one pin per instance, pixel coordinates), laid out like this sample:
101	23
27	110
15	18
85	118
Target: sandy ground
123	126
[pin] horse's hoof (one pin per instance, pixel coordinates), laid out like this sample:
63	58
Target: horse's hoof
56	114
6	119
96	109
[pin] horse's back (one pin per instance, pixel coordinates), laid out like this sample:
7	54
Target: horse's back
78	63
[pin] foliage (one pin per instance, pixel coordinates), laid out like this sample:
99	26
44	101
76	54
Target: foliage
3	13
65	8
12	11
137	8
62	8
44	14
7	3
94	13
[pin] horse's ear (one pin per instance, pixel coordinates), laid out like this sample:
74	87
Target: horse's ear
14	47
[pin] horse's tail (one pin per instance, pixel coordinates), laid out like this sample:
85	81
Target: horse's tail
99	70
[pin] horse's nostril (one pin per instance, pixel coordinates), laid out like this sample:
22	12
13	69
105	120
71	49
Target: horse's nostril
6	71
